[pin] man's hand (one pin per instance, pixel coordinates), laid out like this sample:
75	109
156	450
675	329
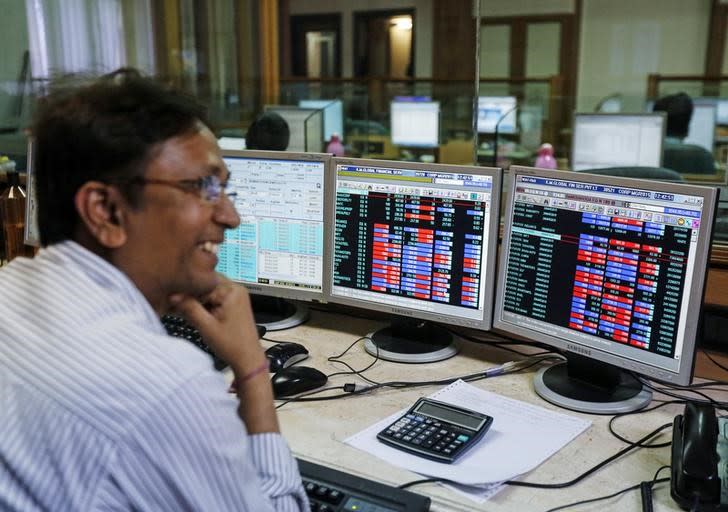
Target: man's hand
225	320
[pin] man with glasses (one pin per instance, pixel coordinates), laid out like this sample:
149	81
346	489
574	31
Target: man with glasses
99	408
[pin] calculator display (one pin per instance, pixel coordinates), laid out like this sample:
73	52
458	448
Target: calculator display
443	413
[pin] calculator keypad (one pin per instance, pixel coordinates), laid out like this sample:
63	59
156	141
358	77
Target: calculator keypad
427	436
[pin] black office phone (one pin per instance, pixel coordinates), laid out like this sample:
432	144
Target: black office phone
695	483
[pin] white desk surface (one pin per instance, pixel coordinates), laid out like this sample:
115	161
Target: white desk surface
316	430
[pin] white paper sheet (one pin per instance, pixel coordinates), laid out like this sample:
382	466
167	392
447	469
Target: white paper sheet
521	437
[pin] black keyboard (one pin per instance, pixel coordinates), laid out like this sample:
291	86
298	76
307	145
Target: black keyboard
178	327
330	490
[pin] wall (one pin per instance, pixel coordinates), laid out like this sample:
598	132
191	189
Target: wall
13	27
622	41
347	8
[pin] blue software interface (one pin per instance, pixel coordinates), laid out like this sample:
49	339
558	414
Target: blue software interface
608	267
280	238
412	238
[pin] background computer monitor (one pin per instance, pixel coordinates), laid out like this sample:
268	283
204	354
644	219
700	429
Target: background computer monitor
610	271
617	140
333	116
701	130
278	248
500	110
415	123
417	241
306	126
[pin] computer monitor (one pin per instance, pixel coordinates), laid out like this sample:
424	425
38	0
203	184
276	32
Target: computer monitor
617	140
611	272
701	130
306	126
497	111
333	116
417	241
722	111
415	123
278	249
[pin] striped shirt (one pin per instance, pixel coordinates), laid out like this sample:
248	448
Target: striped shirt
101	410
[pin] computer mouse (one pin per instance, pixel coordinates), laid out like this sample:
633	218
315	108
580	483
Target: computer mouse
296	379
283	355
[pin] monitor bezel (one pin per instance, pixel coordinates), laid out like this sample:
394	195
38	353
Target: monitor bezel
484	323
292	293
619	114
31	233
685	373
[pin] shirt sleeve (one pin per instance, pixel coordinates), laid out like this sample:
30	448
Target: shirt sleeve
192	452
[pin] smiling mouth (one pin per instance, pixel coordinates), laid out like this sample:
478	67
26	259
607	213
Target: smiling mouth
210	247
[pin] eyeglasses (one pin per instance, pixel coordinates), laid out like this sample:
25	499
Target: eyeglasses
209	188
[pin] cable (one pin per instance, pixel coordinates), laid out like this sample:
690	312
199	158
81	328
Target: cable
667	391
594	469
641	411
427	481
294	399
506	368
716	363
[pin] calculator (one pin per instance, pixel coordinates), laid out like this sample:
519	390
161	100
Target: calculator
436	430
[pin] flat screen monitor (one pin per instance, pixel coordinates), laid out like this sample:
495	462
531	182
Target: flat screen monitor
417	241
333	116
701	130
306	126
278	248
497	111
617	140
415	123
722	111
610	271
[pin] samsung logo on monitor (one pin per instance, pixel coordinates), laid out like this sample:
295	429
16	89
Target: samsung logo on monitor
578	349
403	312
254	288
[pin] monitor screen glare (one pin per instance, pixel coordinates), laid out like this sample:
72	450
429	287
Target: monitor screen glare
415	123
607	268
278	247
617	140
500	110
416	239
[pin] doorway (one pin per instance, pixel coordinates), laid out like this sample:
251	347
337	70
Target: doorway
316	45
384	43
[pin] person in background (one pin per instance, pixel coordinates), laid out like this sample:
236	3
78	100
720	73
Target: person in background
101	409
269	131
677	154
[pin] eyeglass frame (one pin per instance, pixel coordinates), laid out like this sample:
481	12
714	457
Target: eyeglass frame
199	186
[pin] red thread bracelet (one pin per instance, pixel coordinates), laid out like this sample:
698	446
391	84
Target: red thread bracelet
264	367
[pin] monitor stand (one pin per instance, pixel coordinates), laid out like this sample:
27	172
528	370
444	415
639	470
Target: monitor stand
411	341
276	314
586	385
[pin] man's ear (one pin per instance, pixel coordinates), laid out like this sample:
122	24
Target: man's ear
102	208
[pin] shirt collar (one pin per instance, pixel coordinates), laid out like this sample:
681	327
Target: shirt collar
105	275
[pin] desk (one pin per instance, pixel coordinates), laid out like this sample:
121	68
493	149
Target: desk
316	430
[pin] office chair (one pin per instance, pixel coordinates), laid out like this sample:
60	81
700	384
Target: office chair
688	158
650	173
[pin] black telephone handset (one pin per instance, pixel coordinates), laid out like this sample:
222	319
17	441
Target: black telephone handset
694	482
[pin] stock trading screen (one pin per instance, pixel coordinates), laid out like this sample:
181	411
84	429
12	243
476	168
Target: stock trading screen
413	235
609	262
